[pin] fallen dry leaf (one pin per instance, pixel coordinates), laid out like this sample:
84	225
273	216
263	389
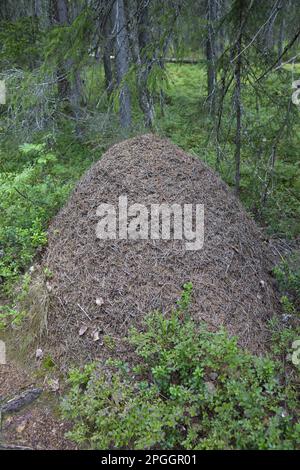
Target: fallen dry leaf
39	353
99	301
95	335
48	286
82	330
21	427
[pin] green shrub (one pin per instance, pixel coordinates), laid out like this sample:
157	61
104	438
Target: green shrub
10	314
188	389
288	277
287	274
20	42
30	195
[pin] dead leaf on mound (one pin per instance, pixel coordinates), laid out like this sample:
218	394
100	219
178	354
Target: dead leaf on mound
48	286
39	353
96	335
99	301
21	427
82	330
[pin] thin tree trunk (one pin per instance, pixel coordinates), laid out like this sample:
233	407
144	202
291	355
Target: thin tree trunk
106	57
38	8
61	11
76	84
108	71
211	53
41	11
122	62
238	108
60	16
69	90
281	35
144	66
221	36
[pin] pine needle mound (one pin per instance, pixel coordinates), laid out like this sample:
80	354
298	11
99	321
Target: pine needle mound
99	288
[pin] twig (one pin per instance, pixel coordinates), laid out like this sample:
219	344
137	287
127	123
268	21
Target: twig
84	312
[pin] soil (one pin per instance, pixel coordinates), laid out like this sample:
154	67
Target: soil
35	426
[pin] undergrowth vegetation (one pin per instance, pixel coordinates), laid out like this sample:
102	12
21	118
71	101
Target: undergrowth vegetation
188	389
30	196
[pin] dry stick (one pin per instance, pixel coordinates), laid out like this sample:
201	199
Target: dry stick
273	155
232	46
225	89
287	62
26	197
287	48
174	60
14	447
84	312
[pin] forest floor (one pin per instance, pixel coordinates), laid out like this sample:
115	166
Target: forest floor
35	426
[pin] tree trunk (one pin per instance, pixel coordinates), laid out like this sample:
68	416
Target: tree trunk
60	16
122	62
238	106
76	85
41	11
61	11
69	90
144	66
38	8
106	56
221	39
211	14
281	35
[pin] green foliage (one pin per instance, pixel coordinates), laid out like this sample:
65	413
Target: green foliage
288	277
70	42
48	363
189	388
185	300
282	341
10	316
19	42
29	197
287	274
31	106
